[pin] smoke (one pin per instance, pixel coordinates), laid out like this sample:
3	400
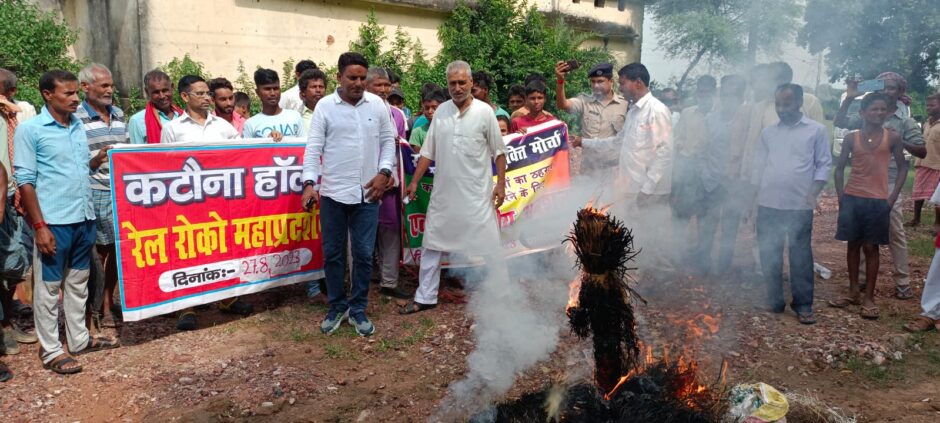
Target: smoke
518	307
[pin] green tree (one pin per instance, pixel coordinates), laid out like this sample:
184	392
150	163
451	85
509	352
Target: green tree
371	37
868	37
288	79
510	40
33	41
722	31
406	57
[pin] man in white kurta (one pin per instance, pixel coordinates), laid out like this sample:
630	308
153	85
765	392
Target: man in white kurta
463	141
644	177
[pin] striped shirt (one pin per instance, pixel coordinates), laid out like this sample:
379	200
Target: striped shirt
100	134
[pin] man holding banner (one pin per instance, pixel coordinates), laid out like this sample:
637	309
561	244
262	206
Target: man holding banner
463	140
353	132
194	125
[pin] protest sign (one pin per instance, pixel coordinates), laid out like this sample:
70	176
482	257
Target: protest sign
200	223
536	168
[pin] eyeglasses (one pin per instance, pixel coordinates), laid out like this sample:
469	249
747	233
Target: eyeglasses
199	93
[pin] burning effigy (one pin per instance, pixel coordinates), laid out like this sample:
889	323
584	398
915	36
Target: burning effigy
628	386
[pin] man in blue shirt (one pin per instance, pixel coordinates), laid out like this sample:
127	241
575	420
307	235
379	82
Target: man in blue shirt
791	166
51	168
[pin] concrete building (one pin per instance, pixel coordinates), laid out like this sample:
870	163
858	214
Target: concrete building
134	36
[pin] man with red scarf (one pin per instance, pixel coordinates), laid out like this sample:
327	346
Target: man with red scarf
146	126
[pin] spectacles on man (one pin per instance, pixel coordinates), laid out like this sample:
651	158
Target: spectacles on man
199	93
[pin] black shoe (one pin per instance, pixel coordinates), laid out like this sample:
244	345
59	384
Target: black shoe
236	307
187	321
395	293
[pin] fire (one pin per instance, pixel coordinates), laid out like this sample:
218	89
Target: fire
685	365
698	326
574	288
610	394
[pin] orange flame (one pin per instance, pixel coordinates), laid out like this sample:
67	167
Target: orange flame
687	392
623	380
574	288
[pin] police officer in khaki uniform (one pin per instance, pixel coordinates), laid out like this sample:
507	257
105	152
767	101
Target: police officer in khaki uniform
602	112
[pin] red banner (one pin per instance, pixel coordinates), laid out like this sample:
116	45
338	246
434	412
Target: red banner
197	224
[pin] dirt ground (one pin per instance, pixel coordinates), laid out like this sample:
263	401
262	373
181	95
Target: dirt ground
275	365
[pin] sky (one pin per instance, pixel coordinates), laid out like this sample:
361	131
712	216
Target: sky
662	68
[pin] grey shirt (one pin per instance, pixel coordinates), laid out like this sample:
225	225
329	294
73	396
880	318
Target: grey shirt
788	160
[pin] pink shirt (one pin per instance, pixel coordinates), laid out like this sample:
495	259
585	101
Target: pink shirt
237	121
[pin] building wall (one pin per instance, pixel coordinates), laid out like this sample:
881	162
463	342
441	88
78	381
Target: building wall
134	36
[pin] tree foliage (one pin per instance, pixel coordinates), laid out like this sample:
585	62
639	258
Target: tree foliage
506	38
509	39
33	41
405	56
868	37
722	31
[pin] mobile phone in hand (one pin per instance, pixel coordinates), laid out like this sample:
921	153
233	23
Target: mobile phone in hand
310	203
572	65
871	85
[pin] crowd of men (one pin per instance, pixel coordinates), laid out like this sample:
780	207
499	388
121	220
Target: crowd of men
752	149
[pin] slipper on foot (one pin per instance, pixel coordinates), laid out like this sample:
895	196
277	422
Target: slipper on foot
415	307
870	312
842	302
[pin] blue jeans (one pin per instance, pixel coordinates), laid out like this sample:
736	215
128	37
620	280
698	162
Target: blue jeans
360	222
774	227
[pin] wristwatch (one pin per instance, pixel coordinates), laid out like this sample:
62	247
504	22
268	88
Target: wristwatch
315	185
386	172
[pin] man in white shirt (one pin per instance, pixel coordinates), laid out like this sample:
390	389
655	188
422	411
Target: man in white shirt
291	99
644	178
273	121
352	132
463	141
197	124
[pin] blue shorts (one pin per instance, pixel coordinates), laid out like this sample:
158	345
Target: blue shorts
73	244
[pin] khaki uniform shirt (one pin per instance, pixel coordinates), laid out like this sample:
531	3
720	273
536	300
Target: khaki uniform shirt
599	119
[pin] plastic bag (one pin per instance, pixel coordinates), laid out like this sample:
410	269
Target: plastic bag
757	403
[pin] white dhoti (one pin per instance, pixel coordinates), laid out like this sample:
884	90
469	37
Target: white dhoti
429	277
460	217
930	300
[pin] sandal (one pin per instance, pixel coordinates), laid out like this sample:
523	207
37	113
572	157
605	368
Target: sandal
903	292
415	307
60	365
98	344
870	312
842	302
921	324
5	373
